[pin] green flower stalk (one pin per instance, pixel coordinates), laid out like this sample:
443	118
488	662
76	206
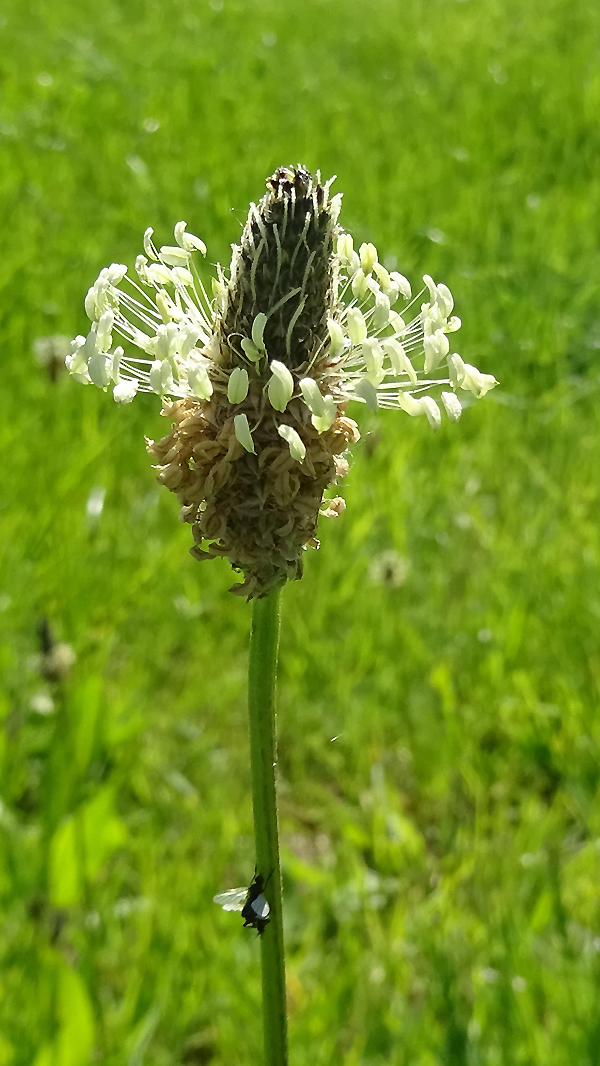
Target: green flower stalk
264	640
256	379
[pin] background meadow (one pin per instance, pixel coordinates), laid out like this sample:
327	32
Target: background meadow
439	735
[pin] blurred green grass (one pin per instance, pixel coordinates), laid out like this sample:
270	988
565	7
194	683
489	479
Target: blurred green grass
441	854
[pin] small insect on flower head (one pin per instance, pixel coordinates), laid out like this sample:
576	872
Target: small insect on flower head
249	901
256	380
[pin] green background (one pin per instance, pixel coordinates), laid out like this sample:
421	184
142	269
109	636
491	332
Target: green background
439	736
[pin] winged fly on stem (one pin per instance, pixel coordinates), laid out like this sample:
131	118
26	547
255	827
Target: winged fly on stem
249	901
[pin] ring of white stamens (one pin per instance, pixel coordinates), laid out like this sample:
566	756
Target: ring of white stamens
371	353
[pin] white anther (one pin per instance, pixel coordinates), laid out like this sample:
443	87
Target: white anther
187	240
368	257
237	386
295	442
198	380
432	411
161	376
453	405
242	432
338	340
173	256
281	386
124	391
258	331
436	348
366	391
357	327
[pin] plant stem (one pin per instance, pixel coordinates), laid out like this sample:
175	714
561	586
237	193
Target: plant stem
264	640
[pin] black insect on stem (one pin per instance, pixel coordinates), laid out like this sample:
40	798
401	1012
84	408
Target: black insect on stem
256	910
250	902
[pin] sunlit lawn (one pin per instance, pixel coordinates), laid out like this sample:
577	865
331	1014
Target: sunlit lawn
439	735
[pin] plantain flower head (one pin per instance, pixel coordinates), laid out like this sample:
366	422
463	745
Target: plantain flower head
256	375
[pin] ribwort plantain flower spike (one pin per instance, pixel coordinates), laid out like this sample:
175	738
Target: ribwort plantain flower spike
257	378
